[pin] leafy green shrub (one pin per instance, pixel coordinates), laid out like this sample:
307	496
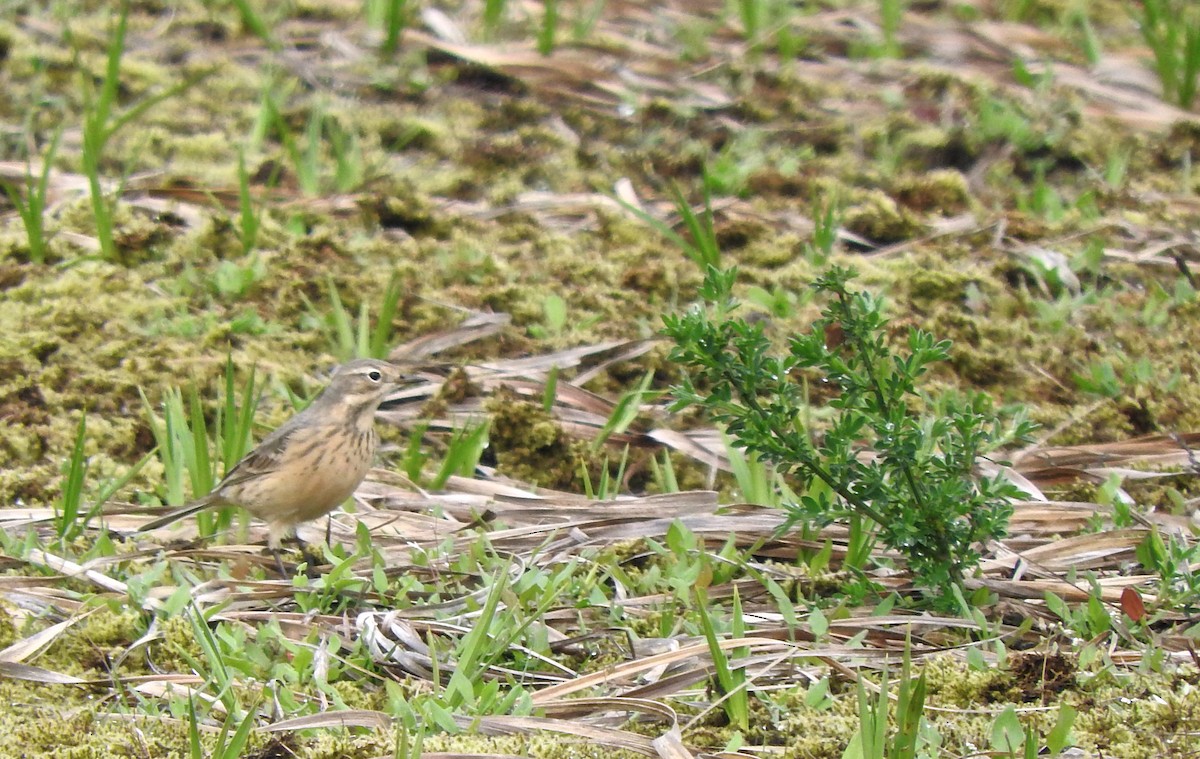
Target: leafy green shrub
908	471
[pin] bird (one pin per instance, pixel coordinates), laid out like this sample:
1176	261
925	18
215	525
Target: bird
313	462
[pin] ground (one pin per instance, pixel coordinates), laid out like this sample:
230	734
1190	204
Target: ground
287	189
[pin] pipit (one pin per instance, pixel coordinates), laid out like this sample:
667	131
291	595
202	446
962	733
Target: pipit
313	462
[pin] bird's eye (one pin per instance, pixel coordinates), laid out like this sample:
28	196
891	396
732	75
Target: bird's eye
374	375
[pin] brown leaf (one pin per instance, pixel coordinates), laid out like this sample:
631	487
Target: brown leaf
1131	604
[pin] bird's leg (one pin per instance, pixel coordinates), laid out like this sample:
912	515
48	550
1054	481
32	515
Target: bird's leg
276	534
311	556
279	563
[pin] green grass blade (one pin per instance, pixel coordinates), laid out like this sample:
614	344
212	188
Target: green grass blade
248	220
254	23
341	322
550	391
381	335
462	455
201	465
726	680
394	24
72	492
625	412
195	749
235	748
471	652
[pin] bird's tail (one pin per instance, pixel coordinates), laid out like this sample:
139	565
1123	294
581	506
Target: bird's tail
200	504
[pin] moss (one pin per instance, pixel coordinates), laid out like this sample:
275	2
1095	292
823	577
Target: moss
877	218
530	444
91	646
8	627
178	647
943	191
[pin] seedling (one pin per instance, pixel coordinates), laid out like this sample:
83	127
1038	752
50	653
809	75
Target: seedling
873	740
462	455
730	681
249	219
625	411
703	247
100	125
30	201
493	16
70	517
355	337
1172	30
184	447
549	27
827	220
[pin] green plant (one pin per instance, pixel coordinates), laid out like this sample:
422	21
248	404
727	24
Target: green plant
780	302
337	587
1087	620
607	484
1101	378
751	13
393	16
891	13
67	510
1174	560
703	247
917	488
757	482
1172	30
1010	739
1116	166
231	741
1002	120
255	24
463	452
872	740
234	279
1060	735
354	337
549	27
1080	22
827	219
100	125
663	474
248	217
729	171
586	17
1041	198
183	446
729	680
493	15
554	317
70	516
625	410
30	201
492	635
324	140
764	20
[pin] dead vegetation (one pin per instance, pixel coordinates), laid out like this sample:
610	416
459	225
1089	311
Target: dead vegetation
1034	207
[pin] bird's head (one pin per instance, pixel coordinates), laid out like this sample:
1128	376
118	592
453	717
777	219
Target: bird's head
359	386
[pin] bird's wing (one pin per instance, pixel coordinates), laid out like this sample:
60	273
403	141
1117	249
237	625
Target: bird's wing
265	458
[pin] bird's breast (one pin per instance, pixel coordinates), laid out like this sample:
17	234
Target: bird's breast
316	474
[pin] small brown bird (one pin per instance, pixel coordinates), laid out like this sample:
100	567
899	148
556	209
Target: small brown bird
313	462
